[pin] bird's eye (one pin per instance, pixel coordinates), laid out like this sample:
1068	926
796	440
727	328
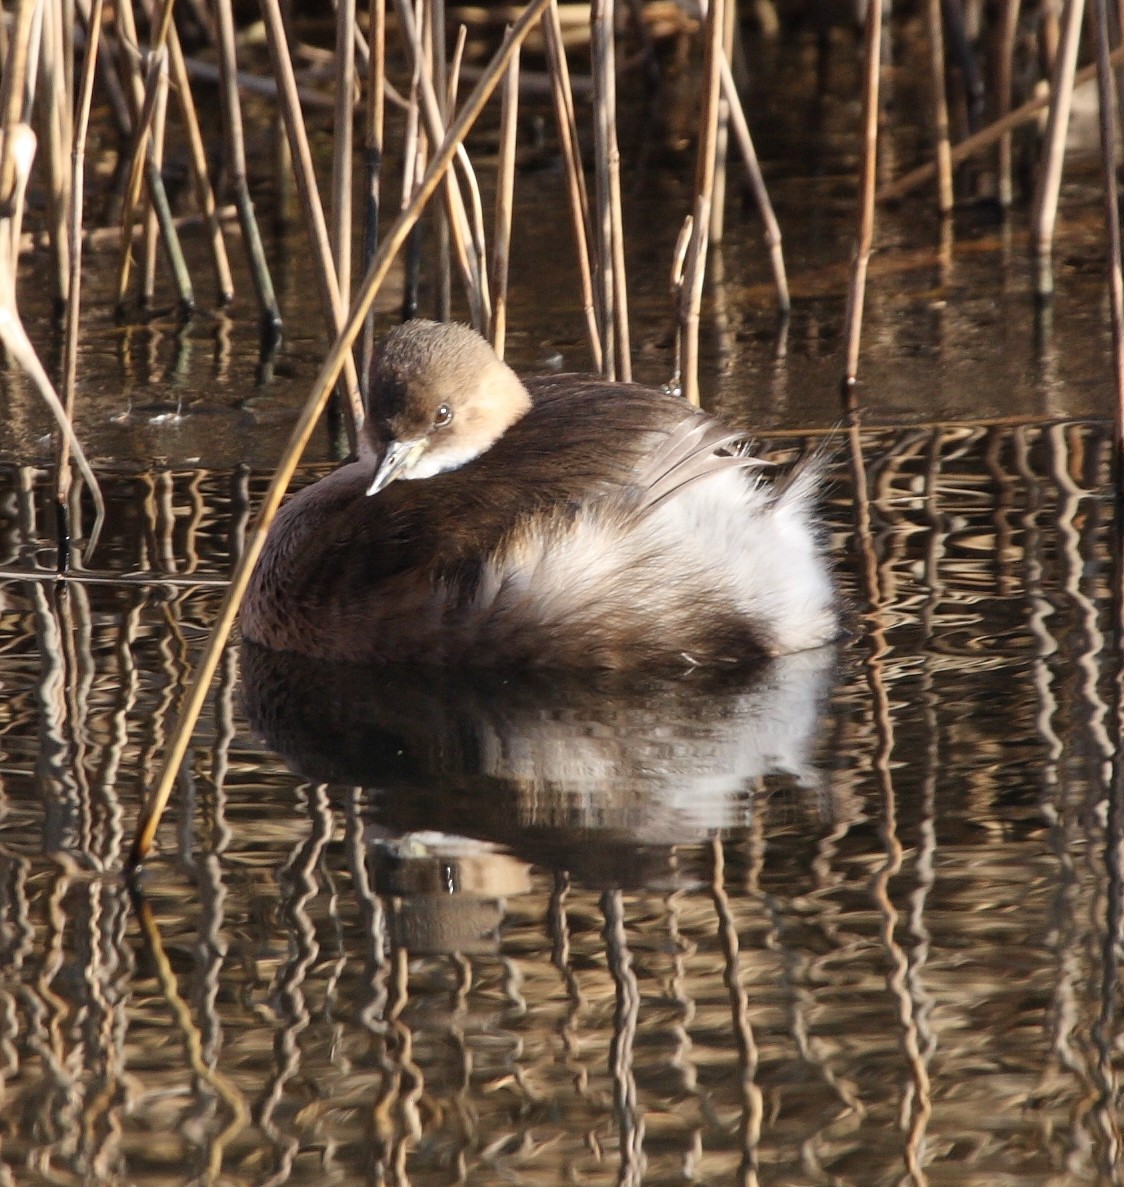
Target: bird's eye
442	416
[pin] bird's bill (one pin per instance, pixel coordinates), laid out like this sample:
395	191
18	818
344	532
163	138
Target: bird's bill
396	461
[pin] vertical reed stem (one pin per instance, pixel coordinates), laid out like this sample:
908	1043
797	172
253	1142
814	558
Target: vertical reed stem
695	271
342	145
236	171
505	187
773	238
1107	112
868	170
373	143
940	108
563	97
609	224
1009	24
1050	167
330	298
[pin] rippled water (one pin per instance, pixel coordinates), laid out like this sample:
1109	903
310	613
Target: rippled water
852	918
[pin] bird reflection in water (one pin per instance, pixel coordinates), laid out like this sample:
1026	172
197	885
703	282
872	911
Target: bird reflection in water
475	775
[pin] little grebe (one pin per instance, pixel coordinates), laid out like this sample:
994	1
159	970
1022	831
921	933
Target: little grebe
564	522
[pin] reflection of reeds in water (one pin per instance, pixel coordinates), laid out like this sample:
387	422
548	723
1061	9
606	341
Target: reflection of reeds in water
913	973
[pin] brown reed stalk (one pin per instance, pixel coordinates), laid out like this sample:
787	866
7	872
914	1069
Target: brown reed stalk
480	298
330	297
868	169
197	157
717	227
77	197
13	97
474	281
442	240
1045	211
943	153
611	287
235	145
1107	110
695	269
505	194
986	137
143	165
373	146
773	239
563	98
56	83
156	149
329	371
19	151
1008	28
342	141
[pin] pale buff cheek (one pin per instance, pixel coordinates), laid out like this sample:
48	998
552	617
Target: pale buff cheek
437	461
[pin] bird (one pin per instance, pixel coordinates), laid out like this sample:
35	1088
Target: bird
564	521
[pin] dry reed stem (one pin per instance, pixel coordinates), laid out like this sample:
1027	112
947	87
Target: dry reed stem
868	169
143	165
329	371
18	147
57	97
694	271
773	239
373	146
480	298
1009	25
722	137
608	225
331	300
1107	110
505	197
13	83
986	137
197	156
156	146
107	66
563	98
1046	192
77	196
436	26
943	150
435	129
235	145
342	140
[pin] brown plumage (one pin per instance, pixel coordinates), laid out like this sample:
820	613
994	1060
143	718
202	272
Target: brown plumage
564	522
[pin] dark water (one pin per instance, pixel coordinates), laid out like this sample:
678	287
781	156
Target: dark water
851	918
